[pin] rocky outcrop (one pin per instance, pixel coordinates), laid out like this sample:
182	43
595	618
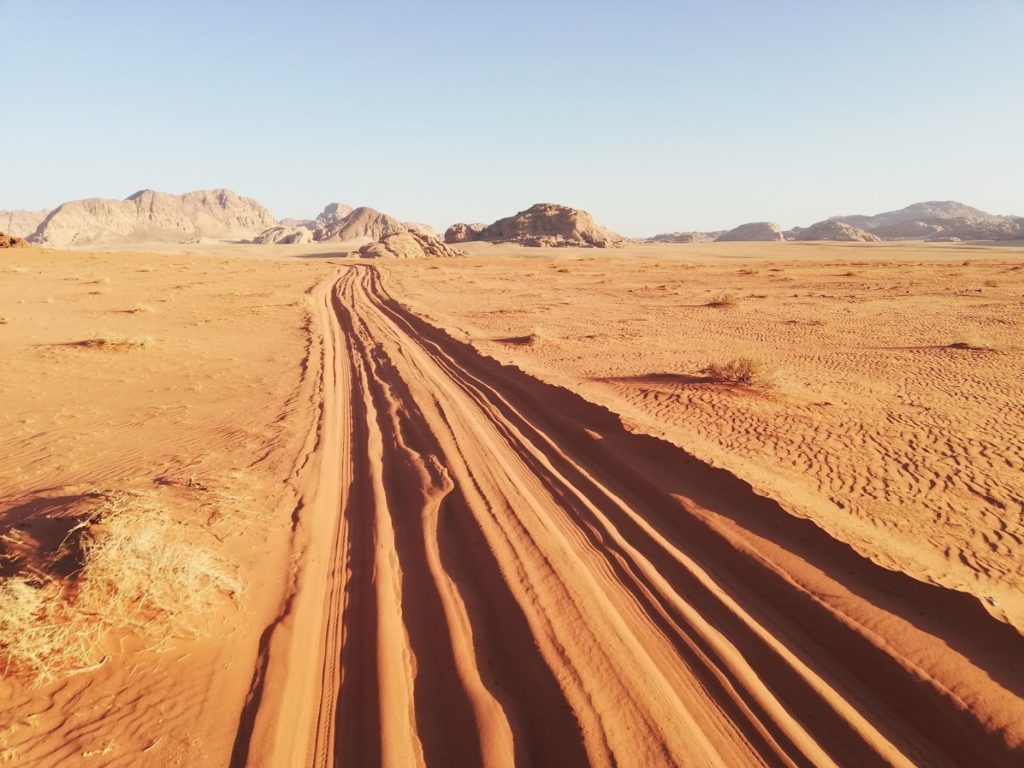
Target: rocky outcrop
285	236
361	222
544	224
685	237
10	241
332	214
463	233
408	245
755	231
423	229
21	223
149	216
938	220
339	221
831	229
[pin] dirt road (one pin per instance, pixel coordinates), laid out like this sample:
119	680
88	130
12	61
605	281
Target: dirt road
491	571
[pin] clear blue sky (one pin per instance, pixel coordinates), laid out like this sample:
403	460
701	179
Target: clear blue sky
655	116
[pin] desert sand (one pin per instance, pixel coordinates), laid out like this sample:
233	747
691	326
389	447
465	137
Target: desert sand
495	509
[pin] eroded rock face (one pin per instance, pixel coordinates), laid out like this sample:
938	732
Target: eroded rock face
149	216
544	224
836	230
10	241
21	223
755	231
408	245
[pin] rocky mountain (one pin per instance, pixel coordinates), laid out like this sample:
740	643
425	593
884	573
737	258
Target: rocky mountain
408	245
21	223
10	241
544	224
339	221
939	220
754	231
833	229
149	216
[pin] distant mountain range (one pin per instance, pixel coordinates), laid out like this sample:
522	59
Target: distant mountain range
933	221
220	214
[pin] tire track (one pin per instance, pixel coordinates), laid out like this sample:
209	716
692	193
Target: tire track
513	578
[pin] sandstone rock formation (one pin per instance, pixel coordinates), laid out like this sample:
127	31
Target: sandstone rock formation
149	216
332	214
463	233
754	231
21	223
10	241
832	229
339	221
408	245
938	220
423	229
284	235
544	224
361	222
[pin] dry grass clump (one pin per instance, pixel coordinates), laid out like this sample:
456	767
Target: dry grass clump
137	573
970	342
722	300
739	370
108	341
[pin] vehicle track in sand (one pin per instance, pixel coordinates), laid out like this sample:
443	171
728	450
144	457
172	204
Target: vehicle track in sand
492	571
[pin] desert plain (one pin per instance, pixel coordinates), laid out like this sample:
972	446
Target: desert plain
665	504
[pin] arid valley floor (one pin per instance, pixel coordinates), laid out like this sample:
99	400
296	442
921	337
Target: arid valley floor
504	508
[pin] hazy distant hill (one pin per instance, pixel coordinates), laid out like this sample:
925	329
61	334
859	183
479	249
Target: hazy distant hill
937	220
21	223
150	216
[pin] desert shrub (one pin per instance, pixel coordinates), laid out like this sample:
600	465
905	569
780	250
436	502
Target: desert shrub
722	300
110	341
739	370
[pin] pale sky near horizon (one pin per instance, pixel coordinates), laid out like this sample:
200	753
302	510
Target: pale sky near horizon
654	116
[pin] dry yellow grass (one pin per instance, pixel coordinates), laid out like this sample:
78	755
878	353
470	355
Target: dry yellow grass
139	573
